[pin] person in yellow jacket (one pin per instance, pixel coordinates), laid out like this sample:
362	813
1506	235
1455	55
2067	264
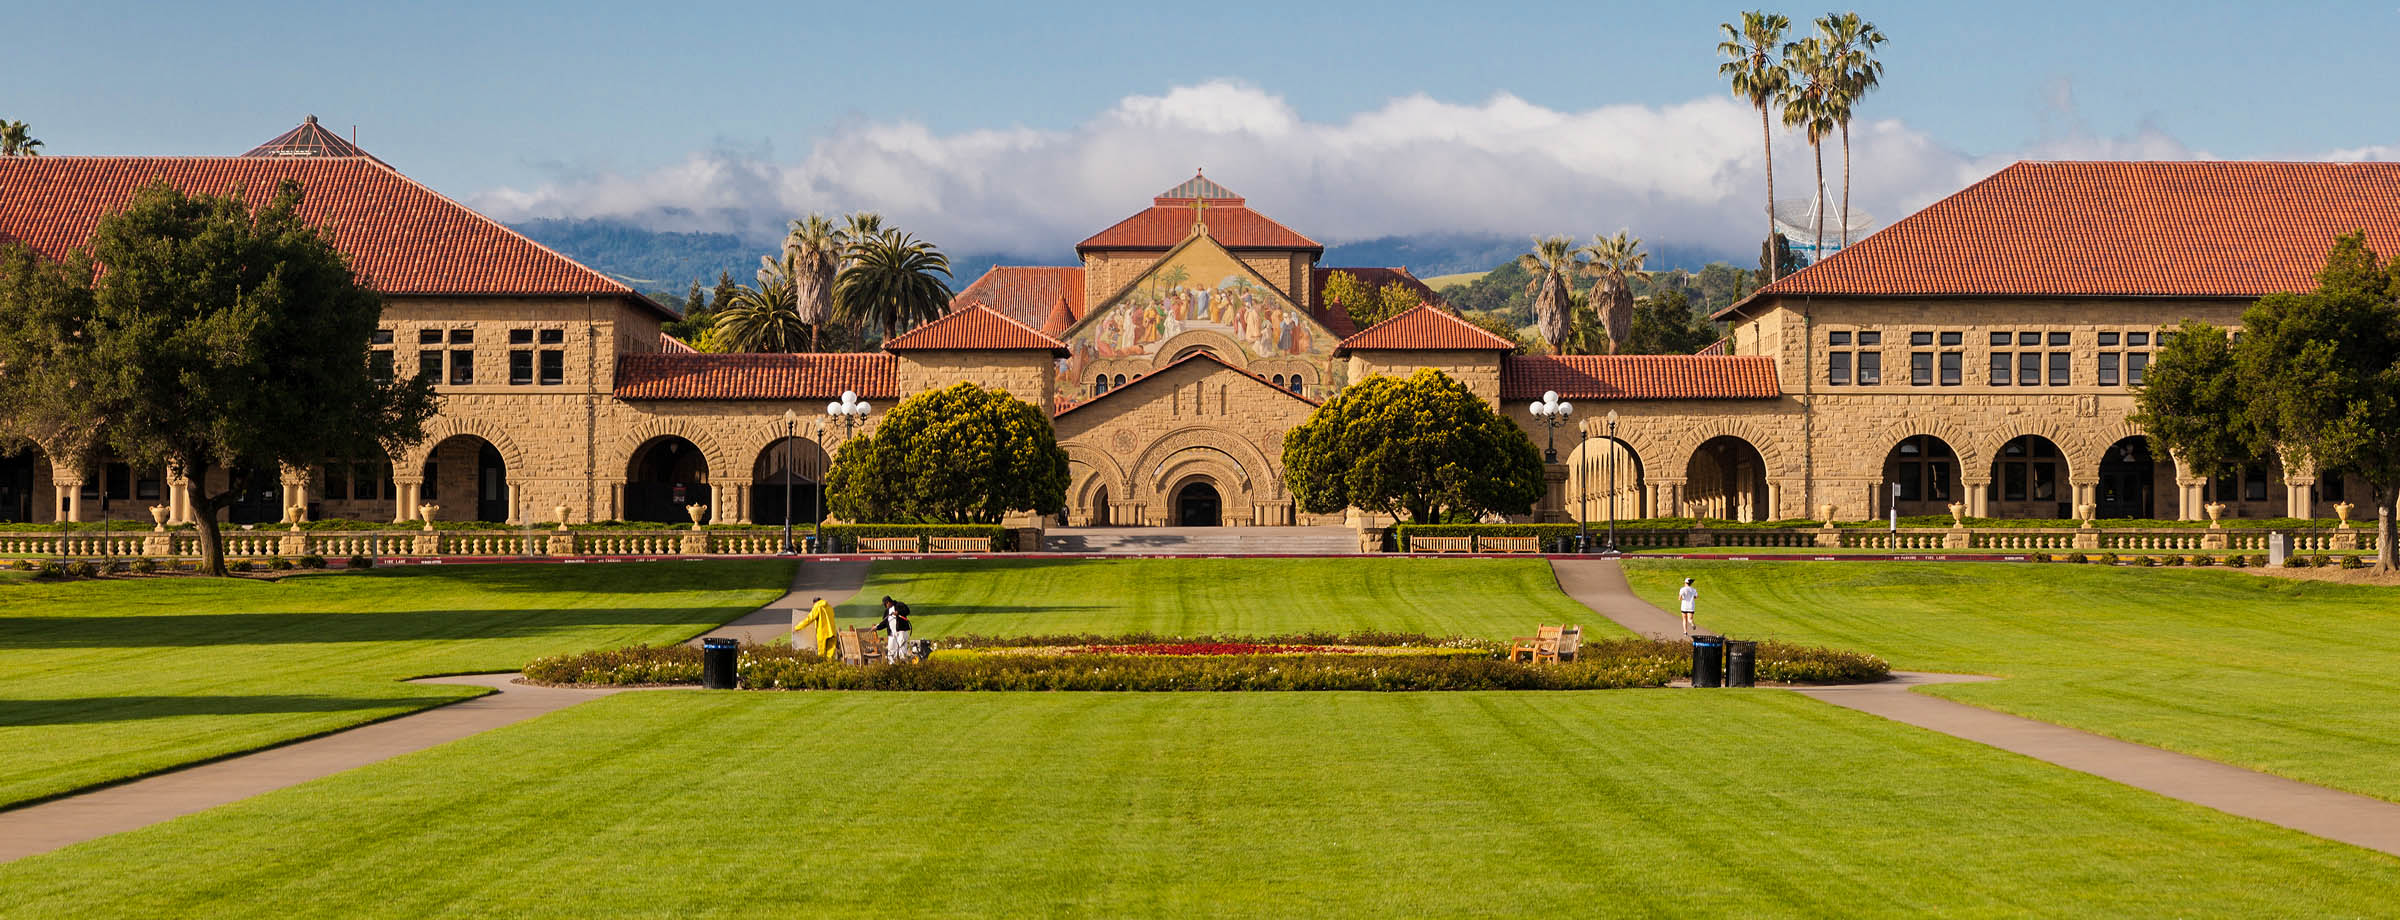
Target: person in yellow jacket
819	619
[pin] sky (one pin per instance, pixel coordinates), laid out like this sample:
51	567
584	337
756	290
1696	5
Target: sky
1024	127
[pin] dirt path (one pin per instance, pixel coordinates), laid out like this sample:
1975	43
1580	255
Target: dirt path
835	581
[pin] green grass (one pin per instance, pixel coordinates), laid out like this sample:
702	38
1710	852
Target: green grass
1494	598
104	680
2290	677
1642	804
1445	282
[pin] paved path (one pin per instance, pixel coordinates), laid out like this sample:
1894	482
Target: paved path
835	581
2334	815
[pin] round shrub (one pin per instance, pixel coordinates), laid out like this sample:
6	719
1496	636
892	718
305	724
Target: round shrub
2171	560
2353	562
360	562
2109	559
2037	557
2295	562
238	565
2258	560
278	563
81	569
2237	560
2145	560
117	566
2204	559
312	561
50	569
145	565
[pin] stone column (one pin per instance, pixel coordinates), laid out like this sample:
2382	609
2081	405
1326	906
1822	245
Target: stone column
1554	487
295	491
1774	510
510	488
70	498
2086	493
178	497
2300	498
616	501
404	501
1978	497
2189	498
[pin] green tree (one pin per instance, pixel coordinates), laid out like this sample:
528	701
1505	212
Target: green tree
1425	447
2191	400
15	142
722	295
1664	324
1552	267
43	307
1808	106
223	336
812	254
1758	76
1614	260
765	318
961	455
890	285
1367	305
1850	44
696	318
1776	258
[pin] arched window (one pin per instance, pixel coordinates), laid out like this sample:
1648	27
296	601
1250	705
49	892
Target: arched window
1295	383
1099	384
1279	381
1120	380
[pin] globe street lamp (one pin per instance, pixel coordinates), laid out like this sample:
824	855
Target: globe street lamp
849	409
1612	483
1552	412
791	424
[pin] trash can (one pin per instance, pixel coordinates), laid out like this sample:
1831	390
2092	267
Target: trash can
1741	663
1708	660
717	659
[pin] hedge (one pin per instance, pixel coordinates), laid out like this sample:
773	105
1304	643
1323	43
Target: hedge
848	535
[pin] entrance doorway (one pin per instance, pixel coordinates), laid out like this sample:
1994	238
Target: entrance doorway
2126	473
1100	507
16	488
665	475
257	497
491	485
1197	505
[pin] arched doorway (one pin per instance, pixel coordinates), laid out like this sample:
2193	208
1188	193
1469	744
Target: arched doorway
17	504
466	472
666	474
1727	479
1926	471
2128	473
793	467
1604	477
1197	505
2029	477
1100	507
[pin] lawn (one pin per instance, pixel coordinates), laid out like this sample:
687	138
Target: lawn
104	680
1648	803
1494	598
2289	677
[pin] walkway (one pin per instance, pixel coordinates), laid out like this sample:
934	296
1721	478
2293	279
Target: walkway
143	802
2334	815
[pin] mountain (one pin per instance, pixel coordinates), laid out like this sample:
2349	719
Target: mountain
1429	254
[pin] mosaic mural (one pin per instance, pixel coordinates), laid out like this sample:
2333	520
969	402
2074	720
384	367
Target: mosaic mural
1202	288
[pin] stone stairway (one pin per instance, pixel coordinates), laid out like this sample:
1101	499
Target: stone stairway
1202	541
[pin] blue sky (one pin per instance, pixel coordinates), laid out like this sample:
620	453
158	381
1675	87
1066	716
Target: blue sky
1005	124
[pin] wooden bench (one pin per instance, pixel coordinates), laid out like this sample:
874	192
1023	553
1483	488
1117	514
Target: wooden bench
960	544
1570	644
887	544
859	646
1532	648
1510	544
1441	544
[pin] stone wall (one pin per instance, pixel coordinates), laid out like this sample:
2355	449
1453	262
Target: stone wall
1131	452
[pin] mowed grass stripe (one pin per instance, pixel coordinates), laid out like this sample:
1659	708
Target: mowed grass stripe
104	680
2289	677
1649	803
1492	598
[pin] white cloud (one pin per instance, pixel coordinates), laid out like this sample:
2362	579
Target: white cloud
1686	174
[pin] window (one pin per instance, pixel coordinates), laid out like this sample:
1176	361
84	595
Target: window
2143	338
429	337
362	481
2045	481
1870	368
2330	487
1953	338
2135	363
1120	381
431	491
1953	368
462	367
1293	384
1920	338
554	367
147	485
2012	482
1279	381
520	337
2254	484
554	336
379	364
2000	361
2058	367
1837	368
2029	368
2108	368
2058	340
462	336
1837	338
429	364
337	481
2029	338
1920	369
2108	339
120	481
1099	384
2000	340
381	337
520	366
1870	338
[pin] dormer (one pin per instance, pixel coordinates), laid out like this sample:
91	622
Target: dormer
1114	257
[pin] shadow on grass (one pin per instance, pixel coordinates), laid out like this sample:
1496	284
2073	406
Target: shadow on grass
183	630
93	710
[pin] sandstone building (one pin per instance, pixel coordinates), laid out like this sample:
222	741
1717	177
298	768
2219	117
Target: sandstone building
1982	351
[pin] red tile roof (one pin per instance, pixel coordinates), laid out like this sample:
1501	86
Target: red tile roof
1170	217
1336	319
1639	377
1061	318
675	346
2119	229
1424	328
405	238
662	375
1026	293
1194	356
975	328
308	140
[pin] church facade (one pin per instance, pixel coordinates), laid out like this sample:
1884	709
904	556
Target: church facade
1982	352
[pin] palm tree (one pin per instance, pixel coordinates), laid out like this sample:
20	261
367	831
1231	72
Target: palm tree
765	318
812	256
857	230
15	142
890	284
1806	106
1614	258
1554	264
1850	42
1758	75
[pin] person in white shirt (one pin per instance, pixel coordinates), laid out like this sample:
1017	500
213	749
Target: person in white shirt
895	622
1687	598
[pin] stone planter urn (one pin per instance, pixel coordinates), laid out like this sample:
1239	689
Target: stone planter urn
426	512
562	518
2085	513
1825	513
1958	514
699	513
297	515
2215	511
159	513
2342	510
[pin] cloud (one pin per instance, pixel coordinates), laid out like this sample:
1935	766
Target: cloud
1685	174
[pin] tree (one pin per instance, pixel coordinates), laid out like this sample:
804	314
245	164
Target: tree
1553	264
762	319
1776	258
1425	447
226	336
1758	76
2315	374
812	252
1808	106
1368	305
1613	259
961	455
1850	45
43	307
1664	324
722	296
696	318
890	284
15	142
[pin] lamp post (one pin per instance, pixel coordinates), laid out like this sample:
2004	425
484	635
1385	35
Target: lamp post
1551	411
791	424
1612	483
849	409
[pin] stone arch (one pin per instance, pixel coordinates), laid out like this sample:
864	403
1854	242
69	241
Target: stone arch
669	426
2073	446
1643	441
1190	470
1222	345
1778	461
1266	478
1589	485
1103	481
1720	483
411	463
1974	456
2098	439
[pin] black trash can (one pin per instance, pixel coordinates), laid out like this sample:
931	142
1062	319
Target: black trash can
718	657
1741	663
1708	660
